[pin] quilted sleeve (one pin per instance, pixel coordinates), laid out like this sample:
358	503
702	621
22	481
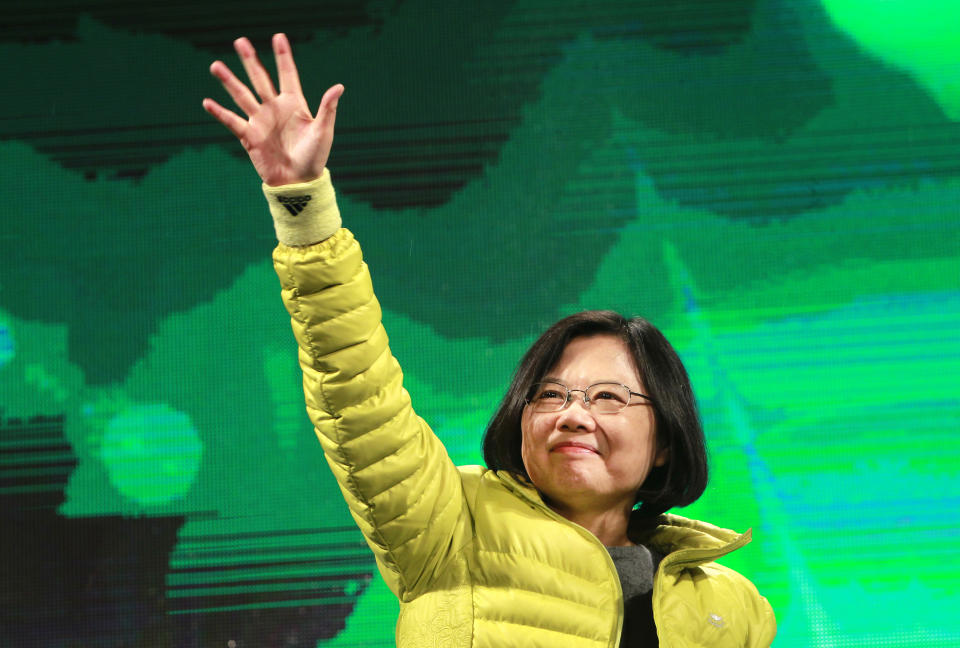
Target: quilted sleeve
402	488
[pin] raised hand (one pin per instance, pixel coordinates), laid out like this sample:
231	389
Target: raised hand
284	140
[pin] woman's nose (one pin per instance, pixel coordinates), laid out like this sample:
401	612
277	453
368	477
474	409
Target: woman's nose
576	414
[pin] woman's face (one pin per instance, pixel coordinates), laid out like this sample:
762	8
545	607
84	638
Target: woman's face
581	460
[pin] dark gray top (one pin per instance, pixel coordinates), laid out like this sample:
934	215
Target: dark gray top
636	566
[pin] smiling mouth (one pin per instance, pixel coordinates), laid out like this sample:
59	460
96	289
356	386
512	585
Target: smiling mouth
573	448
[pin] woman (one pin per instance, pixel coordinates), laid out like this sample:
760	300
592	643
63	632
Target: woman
545	547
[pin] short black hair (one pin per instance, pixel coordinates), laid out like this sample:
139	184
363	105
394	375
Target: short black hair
683	478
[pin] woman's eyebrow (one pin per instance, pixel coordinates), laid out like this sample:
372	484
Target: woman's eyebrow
613	381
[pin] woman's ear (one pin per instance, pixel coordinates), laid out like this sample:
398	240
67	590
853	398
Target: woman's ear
661	457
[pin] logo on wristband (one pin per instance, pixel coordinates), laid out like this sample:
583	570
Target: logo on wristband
294	204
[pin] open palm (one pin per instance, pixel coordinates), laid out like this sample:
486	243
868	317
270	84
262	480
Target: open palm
285	142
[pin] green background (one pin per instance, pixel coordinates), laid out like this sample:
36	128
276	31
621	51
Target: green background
774	183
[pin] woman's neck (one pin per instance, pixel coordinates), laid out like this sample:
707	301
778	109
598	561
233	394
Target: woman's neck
608	525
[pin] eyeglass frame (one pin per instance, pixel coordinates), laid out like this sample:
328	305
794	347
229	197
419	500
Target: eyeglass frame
587	403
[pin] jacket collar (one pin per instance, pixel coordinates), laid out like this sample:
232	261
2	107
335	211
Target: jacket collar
686	542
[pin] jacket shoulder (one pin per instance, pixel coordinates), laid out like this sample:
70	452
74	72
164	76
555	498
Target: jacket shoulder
715	605
718	606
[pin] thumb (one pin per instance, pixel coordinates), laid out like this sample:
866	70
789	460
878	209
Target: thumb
328	105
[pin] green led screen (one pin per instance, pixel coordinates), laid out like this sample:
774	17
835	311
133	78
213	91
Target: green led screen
774	183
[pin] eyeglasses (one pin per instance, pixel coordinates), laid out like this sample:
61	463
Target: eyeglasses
601	398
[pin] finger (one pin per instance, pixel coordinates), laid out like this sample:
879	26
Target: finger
286	68
237	90
234	123
259	78
327	113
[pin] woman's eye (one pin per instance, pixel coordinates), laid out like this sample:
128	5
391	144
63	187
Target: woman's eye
549	394
607	395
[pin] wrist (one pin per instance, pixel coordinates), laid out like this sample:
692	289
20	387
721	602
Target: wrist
304	213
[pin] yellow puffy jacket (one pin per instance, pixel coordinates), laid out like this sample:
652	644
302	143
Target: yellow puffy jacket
474	555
